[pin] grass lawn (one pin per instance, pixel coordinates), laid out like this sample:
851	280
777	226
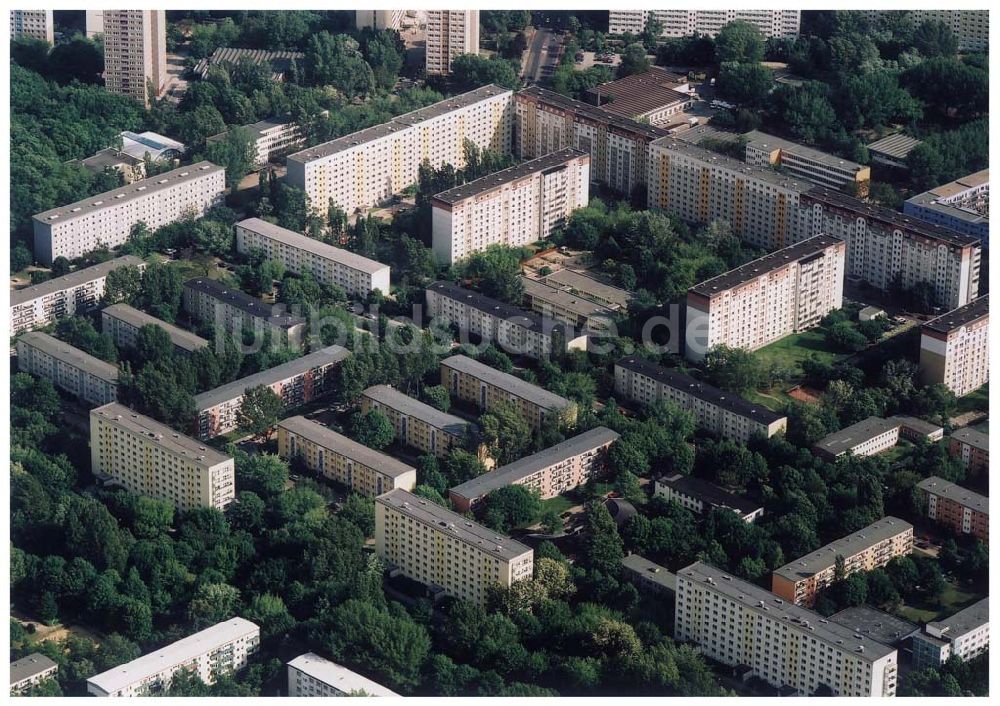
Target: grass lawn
952	600
978	401
774	399
790	351
559	503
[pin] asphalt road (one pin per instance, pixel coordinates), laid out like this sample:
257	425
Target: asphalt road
539	56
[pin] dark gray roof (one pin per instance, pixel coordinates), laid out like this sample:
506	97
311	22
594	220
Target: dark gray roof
955	493
842	441
915	424
60	350
701	390
512	472
896	146
494	307
802	251
964	621
483	185
873	623
555	296
172	441
73	279
437	517
709	493
29	666
641	566
316	247
329	439
109	157
639	94
962	316
825	557
181	338
251	306
975	439
588	286
412	407
281	61
507	382
592	112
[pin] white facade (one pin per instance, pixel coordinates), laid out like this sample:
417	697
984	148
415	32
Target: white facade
107	219
70	369
123	323
312	675
135	52
955	348
680	23
356	275
94	23
379	19
223	648
449	34
33	24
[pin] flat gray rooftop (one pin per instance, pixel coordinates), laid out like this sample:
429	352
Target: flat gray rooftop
338	443
710	493
562	298
182	338
825	557
490	182
840	442
975	439
29	666
962	316
303	242
513	472
442	520
652	571
544	95
73	279
166	438
876	624
412	407
62	351
273	314
763	141
916	424
109	157
588	286
232	390
956	493
507	382
280	61
964	621
494	307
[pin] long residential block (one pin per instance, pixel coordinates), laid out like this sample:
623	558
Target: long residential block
362	169
485	387
221	649
551	471
787	291
970	27
233	311
149	458
123	322
364	470
804	162
312	675
78	373
870	548
577	312
356	275
966	634
296	382
722	413
107	219
874	435
513	207
971	447
962	510
681	23
439	547
736	622
76	293
514	330
31	670
955	348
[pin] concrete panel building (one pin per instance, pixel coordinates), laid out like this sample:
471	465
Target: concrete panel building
232	311
576	312
360	170
107	219
736	622
438	547
221	649
785	292
94	23
76	293
32	24
584	285
513	207
870	548
966	634
450	33
80	374
514	330
724	414
296	382
272	139
656	96
955	348
278	61
804	162
363	470
379	19
123	322
30	671
149	458
649	576
135	53
702	497
875	435
971	447
358	276
131	168
681	23
552	471
312	675
961	510
962	205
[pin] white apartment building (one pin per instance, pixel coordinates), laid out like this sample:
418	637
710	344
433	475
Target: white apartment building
514	330
296	382
438	547
736	622
965	634
765	150
149	458
29	671
450	33
513	207
955	348
32	24
312	675
787	291
356	275
272	139
78	373
722	413
379	19
76	293
335	456
135	53
221	649
233	311
681	23
107	219
123	322
362	169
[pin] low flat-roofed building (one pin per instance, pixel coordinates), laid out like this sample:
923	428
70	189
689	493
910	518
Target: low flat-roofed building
954	348
649	576
869	313
280	62
78	373
272	139
30	671
805	162
296	382
221	649
876	624
727	415
962	510
312	675
551	471
76	293
962	205
123	322
335	456
893	150
869	548
656	96
210	301
865	438
131	168
566	307
485	387
971	447
158	148
700	496
914	429
966	634
578	283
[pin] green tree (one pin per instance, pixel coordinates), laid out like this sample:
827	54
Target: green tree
270	613
236	151
602	545
262	474
437	397
747	84
505	432
373	429
634	61
739	41
213	603
509	507
733	369
259	411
